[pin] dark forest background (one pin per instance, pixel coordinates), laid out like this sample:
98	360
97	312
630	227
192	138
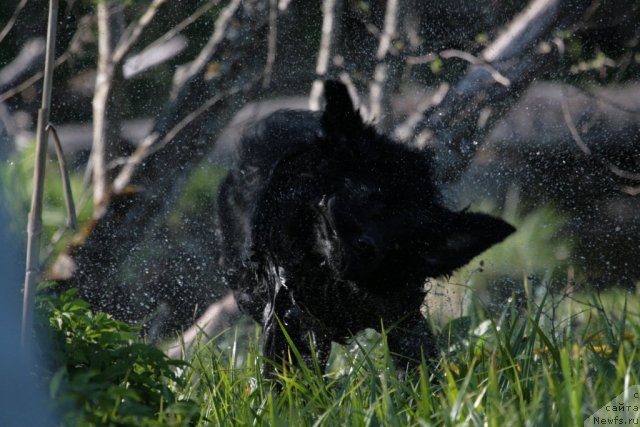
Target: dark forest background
527	105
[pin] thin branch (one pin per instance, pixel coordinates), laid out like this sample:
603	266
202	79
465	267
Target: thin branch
520	32
353	92
74	47
152	56
150	145
404	131
184	23
29	58
453	126
11	22
601	98
423	59
616	170
30	81
217	318
324	52
134	31
328	20
390	63
474	60
272	42
109	24
72	221
572	127
183	74
389	29
380	75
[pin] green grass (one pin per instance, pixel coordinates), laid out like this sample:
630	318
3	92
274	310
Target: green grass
16	174
555	363
522	370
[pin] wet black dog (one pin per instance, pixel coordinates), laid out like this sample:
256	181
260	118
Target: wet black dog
329	228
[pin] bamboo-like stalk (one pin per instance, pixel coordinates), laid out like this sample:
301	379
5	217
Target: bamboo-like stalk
34	228
72	221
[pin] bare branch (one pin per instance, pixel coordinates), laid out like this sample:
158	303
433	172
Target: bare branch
424	59
11	22
353	92
616	170
133	32
74	46
29	57
405	130
218	317
377	88
453	125
147	194
182	77
572	127
184	23
389	29
153	56
521	32
165	46
324	52
272	44
29	82
183	74
151	146
110	23
474	60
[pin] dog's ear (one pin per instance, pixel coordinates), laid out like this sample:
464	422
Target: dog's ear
467	235
340	118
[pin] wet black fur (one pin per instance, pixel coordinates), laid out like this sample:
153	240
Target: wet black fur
330	227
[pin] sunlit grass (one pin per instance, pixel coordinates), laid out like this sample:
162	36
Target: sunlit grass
16	174
555	364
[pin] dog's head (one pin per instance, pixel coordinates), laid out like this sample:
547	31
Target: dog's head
381	221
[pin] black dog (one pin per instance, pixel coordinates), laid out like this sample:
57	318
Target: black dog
329	228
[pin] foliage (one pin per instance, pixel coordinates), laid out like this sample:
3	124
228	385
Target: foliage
16	173
101	374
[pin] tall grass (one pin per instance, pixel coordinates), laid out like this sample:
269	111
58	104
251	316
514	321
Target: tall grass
524	369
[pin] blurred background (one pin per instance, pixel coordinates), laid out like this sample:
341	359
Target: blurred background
531	108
